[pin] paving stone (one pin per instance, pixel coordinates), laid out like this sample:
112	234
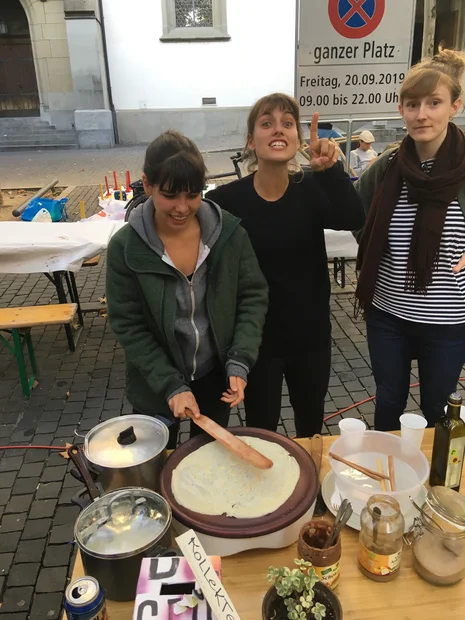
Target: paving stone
46	607
42	508
65	432
66	496
57	555
52	579
51	416
11	464
62	534
9	541
23	486
19	503
5	562
73	407
30	550
48	427
343	401
49	490
42	440
17	599
7	479
36	528
30	470
66	514
54	474
23	575
36	456
70	481
4	496
13	523
92	412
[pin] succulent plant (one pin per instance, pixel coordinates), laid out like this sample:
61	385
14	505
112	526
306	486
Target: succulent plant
295	586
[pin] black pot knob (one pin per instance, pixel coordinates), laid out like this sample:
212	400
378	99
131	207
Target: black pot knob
127	437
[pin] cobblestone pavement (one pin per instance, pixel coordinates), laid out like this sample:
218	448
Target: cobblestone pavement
79	390
89	167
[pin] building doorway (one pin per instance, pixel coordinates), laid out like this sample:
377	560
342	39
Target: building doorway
19	94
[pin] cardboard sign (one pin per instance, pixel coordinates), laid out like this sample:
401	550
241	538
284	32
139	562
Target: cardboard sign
212	588
163	586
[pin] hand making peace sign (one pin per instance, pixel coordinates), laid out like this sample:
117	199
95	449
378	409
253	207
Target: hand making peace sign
323	153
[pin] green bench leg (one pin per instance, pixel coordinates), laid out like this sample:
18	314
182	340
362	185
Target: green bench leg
26	383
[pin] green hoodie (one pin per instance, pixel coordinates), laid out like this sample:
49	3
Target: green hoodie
141	297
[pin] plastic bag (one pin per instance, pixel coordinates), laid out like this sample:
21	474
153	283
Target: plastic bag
56	208
42	216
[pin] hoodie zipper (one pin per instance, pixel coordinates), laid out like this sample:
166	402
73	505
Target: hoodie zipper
194	327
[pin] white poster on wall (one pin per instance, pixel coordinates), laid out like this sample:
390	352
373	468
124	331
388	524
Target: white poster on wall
352	55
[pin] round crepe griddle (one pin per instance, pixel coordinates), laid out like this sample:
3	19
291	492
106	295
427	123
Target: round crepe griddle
223	526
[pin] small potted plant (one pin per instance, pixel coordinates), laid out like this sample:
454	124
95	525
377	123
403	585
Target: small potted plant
297	594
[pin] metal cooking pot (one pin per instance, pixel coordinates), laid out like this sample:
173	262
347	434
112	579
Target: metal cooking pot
117	531
129	450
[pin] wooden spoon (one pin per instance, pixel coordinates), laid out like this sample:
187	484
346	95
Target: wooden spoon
230	441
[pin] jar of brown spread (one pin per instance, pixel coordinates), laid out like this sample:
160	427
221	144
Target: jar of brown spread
380	541
438	537
310	546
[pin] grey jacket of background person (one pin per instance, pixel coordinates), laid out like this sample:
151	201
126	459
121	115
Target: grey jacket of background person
372	177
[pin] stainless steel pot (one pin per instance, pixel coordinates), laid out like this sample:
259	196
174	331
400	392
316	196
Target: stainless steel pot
117	531
127	451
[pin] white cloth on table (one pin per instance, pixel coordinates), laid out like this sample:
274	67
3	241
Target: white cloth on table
27	247
340	243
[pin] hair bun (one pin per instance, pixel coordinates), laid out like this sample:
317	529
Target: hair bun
453	59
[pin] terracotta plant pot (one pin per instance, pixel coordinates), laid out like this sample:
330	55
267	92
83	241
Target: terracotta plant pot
273	607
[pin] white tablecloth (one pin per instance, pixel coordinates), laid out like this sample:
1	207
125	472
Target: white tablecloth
340	243
29	247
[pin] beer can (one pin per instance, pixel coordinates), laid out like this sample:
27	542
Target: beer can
84	600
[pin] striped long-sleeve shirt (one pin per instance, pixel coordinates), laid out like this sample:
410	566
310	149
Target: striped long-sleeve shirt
444	301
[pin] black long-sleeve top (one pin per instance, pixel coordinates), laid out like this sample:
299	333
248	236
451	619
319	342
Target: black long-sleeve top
288	238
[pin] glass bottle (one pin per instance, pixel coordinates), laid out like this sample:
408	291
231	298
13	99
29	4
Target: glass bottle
438	538
448	447
380	541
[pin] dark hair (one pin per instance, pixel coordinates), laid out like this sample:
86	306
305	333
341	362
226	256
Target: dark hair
175	164
266	105
447	67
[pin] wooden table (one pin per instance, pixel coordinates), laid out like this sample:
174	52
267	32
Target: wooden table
406	598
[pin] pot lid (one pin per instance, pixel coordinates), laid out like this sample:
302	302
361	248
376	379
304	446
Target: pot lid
122	523
126	441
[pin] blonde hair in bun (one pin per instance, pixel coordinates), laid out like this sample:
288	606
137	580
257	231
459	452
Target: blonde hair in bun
446	67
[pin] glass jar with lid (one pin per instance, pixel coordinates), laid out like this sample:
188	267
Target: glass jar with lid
438	537
380	542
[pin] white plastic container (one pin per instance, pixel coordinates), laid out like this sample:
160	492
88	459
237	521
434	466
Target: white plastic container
411	467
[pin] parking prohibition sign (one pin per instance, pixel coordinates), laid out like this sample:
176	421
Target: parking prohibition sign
355	19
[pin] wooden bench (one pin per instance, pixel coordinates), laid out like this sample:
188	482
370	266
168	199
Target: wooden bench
19	321
92	262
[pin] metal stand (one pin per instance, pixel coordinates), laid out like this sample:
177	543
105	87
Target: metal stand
340	268
56	278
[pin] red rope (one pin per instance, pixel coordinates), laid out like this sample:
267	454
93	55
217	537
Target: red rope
332	415
362	402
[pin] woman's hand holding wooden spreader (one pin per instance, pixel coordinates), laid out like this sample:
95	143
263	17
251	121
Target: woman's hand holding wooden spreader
230	441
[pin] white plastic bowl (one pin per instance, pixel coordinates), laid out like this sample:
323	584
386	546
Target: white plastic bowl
410	465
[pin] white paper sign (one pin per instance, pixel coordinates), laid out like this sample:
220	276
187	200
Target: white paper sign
209	583
352	55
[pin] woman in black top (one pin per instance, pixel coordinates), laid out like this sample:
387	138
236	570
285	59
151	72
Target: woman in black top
285	215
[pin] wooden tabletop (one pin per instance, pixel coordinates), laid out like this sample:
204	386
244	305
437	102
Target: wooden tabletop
406	598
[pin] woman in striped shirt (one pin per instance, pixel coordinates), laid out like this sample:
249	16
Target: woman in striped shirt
411	286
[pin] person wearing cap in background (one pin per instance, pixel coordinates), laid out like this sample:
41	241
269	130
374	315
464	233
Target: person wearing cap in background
362	157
